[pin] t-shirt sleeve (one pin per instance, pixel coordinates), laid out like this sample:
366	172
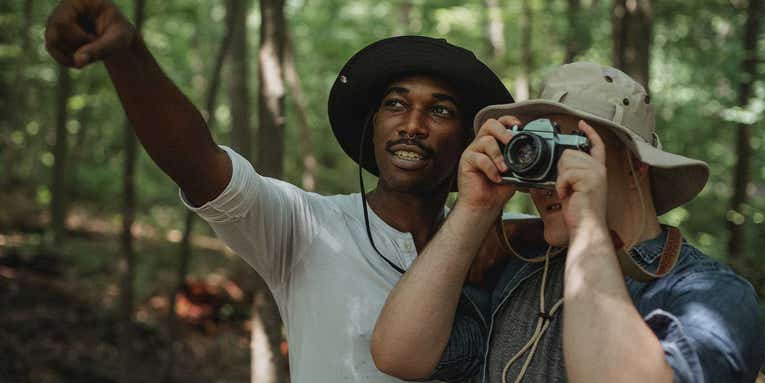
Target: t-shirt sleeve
267	222
710	329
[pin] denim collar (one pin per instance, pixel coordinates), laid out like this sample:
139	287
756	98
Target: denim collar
648	253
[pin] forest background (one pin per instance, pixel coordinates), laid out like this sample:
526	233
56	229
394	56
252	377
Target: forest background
105	277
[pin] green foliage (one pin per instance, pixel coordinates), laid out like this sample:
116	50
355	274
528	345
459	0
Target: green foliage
695	74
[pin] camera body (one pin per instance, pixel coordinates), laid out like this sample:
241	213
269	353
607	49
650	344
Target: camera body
532	154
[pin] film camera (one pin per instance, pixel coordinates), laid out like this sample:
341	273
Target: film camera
532	154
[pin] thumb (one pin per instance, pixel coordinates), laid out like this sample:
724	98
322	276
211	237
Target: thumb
108	43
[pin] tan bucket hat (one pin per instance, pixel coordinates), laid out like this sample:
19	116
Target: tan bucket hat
609	97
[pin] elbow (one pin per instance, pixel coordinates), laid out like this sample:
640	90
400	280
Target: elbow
399	360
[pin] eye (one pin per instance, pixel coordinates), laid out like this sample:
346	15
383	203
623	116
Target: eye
394	104
442	111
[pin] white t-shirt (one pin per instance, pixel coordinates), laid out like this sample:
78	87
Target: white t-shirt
314	254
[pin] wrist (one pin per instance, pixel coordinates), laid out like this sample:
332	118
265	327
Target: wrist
479	219
587	224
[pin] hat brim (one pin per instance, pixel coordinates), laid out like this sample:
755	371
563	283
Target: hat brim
358	89
668	169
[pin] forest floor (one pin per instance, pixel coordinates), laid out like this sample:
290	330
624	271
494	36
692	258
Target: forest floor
59	312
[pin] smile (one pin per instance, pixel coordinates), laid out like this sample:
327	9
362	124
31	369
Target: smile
407	155
554	207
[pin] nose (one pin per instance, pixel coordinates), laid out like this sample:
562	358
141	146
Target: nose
415	125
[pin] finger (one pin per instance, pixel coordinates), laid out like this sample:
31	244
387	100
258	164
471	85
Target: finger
72	39
573	180
482	163
63	35
572	159
509	121
495	129
488	145
60	57
112	40
597	147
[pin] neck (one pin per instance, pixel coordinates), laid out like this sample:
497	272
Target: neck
634	228
415	213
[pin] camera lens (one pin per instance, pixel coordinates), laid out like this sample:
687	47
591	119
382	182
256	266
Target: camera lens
524	153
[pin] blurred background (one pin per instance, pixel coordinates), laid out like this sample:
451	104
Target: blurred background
105	277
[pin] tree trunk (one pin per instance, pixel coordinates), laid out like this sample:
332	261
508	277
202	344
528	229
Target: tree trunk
238	89
495	32
271	125
126	262
211	95
404	25
308	178
522	85
631	25
185	247
59	192
742	172
574	43
14	94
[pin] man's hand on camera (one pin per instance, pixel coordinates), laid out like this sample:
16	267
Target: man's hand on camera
480	168
582	184
80	32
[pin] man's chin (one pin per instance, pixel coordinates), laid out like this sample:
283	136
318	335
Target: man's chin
556	233
416	184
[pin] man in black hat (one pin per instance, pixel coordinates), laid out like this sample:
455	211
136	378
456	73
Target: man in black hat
401	108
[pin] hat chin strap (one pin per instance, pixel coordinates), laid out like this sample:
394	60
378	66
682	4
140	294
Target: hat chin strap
672	245
362	191
629	266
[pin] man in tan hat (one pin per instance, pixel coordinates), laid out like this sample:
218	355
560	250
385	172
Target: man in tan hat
612	296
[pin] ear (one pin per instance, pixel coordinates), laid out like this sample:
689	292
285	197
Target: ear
638	168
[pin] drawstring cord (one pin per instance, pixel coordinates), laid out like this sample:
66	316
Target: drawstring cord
545	317
543	323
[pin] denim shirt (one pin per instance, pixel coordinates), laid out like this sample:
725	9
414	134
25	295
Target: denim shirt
705	316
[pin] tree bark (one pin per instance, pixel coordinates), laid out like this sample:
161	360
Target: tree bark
126	262
238	87
59	192
522	85
495	32
271	126
184	251
404	25
14	94
632	26
742	170
574	43
308	159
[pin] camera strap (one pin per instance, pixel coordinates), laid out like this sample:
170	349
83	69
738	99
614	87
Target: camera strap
523	229
669	256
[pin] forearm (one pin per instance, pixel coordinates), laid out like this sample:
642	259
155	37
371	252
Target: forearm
415	324
605	338
168	125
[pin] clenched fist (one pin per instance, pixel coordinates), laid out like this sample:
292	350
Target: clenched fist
80	32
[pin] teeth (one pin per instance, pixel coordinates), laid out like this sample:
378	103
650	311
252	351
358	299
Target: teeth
554	207
406	155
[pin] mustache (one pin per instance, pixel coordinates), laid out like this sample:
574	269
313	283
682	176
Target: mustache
410	141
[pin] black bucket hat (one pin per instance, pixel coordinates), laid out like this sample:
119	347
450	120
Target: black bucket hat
358	89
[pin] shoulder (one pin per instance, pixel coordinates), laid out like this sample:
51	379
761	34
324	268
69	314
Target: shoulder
693	264
697	278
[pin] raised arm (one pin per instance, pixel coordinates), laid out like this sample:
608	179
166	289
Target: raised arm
604	336
415	324
81	32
